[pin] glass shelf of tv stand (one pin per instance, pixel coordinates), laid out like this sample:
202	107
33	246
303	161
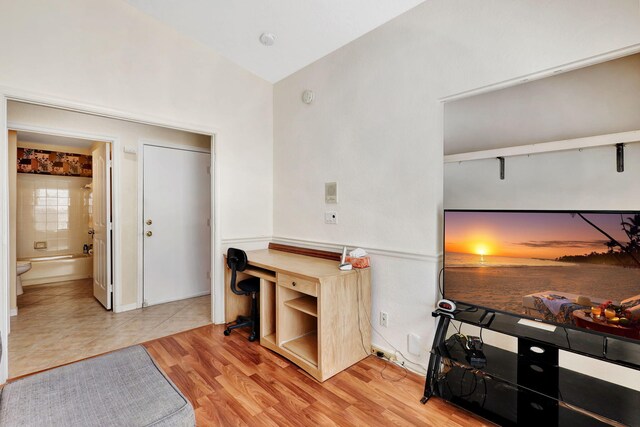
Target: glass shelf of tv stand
506	404
609	349
574	389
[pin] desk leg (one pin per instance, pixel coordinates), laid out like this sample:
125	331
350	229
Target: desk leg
434	359
267	311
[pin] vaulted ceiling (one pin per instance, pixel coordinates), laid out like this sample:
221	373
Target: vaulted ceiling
304	30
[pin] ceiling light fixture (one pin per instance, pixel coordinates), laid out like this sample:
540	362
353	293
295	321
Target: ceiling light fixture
267	39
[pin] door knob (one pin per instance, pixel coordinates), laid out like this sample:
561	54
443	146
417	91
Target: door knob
149	234
149	222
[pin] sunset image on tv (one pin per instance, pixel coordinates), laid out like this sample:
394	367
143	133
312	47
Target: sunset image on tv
576	268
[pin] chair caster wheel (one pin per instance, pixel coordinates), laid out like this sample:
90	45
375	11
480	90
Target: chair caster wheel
252	337
227	332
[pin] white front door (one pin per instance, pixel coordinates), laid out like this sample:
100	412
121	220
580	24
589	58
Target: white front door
177	217
101	211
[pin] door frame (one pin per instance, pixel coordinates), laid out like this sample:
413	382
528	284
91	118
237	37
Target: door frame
142	142
14	94
114	143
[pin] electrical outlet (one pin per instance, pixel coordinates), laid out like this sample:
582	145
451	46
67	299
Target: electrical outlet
331	217
384	319
387	354
413	344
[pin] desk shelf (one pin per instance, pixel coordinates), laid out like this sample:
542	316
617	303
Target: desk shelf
306	304
305	347
271	339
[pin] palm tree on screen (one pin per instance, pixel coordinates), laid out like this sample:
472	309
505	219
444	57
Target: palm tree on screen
631	227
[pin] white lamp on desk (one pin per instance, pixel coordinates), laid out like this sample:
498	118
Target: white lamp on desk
344	265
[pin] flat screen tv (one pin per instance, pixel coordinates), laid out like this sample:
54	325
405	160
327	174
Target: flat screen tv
575	269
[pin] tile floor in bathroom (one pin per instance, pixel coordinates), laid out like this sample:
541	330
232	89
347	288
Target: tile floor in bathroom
61	323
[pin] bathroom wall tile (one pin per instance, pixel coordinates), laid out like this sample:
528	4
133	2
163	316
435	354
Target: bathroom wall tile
52	209
63	244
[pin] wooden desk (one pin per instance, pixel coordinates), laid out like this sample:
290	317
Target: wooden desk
310	312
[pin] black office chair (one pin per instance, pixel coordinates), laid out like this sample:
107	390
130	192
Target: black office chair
237	261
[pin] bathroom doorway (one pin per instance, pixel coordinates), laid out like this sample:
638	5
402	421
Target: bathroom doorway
54	218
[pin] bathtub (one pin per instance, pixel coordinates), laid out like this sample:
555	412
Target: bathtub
57	268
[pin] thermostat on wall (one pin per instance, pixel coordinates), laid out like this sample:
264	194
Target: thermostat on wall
331	192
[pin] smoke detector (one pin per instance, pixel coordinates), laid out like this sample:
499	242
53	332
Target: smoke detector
267	39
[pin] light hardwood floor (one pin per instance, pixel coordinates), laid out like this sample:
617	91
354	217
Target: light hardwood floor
58	324
232	382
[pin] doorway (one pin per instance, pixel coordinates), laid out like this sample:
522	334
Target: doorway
54	182
92	333
176	195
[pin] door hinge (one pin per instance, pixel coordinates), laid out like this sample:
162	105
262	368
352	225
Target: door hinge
208	222
208	170
109	162
209	275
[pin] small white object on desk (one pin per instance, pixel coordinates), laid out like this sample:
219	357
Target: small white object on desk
358	253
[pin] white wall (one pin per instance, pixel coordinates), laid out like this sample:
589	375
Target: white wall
108	55
545	109
376	128
571	180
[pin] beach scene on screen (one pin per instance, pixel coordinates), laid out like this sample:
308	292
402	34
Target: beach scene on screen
517	261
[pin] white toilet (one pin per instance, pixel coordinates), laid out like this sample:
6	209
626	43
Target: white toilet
21	268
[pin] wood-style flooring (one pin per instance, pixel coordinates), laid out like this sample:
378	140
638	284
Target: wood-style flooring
232	382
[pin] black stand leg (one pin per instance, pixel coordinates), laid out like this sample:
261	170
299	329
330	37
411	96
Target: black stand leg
434	359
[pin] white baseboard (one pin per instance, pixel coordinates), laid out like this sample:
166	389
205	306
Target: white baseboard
198	294
14	311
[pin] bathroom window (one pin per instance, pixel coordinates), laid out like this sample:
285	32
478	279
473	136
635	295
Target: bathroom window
55	209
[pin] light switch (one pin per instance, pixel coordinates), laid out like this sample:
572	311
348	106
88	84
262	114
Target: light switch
331	192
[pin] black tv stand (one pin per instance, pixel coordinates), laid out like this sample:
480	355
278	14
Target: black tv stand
530	386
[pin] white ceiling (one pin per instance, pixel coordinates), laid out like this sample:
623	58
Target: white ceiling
42	138
305	30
